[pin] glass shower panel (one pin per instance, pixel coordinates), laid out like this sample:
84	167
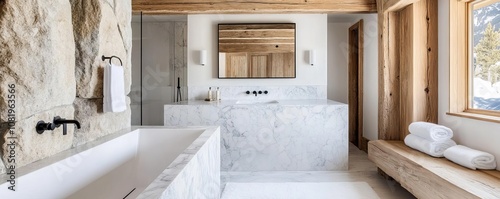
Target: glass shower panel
135	90
160	61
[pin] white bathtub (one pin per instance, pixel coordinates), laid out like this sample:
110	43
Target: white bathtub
144	162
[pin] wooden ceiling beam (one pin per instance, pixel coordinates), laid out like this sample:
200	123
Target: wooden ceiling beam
395	5
250	7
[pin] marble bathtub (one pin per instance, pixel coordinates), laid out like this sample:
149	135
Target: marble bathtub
291	135
144	162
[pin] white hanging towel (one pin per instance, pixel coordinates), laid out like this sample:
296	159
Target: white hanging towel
470	158
435	149
114	89
430	131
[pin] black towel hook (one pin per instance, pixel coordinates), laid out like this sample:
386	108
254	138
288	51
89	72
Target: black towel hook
110	58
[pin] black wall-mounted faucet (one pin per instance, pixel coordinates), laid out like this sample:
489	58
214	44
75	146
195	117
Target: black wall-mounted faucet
42	126
255	93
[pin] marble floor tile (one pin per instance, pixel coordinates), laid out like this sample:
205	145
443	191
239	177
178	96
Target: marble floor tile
361	169
299	190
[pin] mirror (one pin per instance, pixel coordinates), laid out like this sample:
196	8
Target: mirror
257	50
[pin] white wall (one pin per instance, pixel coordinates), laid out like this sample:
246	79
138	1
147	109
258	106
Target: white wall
311	34
476	134
337	66
337	88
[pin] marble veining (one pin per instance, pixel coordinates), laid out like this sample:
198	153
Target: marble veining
307	135
361	169
193	174
193	166
180	57
275	92
299	190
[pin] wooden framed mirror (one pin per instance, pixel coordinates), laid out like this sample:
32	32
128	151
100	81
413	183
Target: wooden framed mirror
262	50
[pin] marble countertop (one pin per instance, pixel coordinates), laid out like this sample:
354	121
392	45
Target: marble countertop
260	102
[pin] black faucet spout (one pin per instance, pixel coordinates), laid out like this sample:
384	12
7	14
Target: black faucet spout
42	126
60	121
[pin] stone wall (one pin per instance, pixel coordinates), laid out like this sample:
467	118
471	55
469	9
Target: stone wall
50	51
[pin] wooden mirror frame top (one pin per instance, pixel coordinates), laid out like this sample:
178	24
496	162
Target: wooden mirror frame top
256	50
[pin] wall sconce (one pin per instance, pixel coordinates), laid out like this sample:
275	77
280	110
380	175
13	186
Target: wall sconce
312	57
203	57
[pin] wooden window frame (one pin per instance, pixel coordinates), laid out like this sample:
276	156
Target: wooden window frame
460	70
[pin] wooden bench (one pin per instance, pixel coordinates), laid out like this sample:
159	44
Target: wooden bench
428	177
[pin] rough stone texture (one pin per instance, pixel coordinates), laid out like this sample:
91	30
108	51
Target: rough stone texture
124	16
98	32
95	123
43	46
37	55
32	146
3	169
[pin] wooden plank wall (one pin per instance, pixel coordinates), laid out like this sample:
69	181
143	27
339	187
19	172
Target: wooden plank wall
269	48
261	38
388	75
407	57
407	66
255	6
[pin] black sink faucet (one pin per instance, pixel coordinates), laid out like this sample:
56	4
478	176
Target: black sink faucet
255	93
42	126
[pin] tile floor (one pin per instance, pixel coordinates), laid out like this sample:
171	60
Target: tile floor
360	170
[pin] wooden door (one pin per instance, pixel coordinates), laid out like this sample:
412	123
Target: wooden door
282	65
259	64
236	65
355	98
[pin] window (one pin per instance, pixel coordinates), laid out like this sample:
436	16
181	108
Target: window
484	69
475	59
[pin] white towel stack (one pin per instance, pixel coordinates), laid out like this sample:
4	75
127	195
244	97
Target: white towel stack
429	138
470	158
114	89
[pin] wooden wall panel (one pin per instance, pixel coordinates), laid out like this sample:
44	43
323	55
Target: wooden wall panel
406	64
457	45
431	89
256	27
282	64
388	76
270	47
255	6
418	64
236	65
257	34
277	65
258	64
408	78
256	48
257	38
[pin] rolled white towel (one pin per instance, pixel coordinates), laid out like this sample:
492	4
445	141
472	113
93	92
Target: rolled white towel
435	149
430	131
470	158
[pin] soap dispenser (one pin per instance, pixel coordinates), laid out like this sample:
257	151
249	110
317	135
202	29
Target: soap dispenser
217	94
210	98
